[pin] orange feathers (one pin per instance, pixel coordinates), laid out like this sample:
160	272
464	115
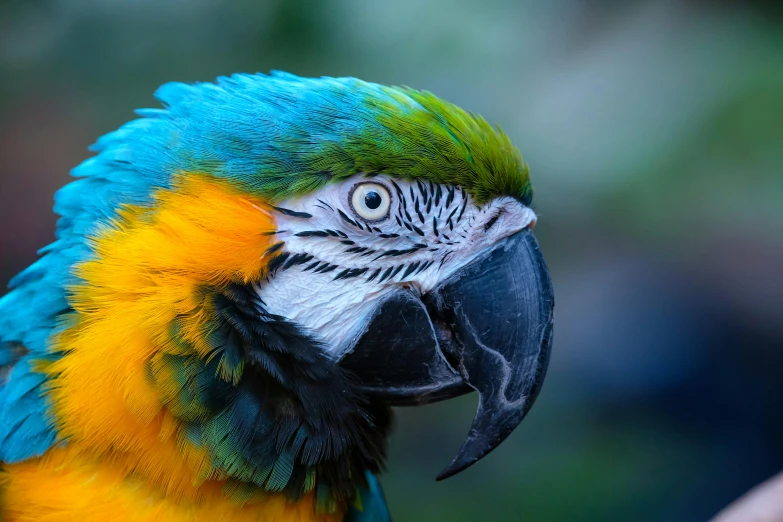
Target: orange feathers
125	456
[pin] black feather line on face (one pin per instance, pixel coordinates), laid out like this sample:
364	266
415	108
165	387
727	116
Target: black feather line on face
312	233
463	206
342	275
397	188
349	220
328	269
293	213
326	204
297	259
492	220
349	273
293	413
322	268
386	274
401	206
462	209
277	261
407	214
274	248
418	212
448	219
410	269
396	271
396	253
422	189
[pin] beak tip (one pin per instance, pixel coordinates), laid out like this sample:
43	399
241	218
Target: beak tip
475	447
457	465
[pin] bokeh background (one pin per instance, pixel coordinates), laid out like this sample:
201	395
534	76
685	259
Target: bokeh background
654	131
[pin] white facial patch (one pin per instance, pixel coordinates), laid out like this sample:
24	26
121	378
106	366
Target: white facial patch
337	266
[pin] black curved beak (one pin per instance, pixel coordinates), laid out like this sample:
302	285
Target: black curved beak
487	328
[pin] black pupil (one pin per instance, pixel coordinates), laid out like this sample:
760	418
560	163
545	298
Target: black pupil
372	199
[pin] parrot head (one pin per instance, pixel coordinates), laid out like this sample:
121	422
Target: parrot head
246	280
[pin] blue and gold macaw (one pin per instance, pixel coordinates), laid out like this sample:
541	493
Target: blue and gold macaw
244	282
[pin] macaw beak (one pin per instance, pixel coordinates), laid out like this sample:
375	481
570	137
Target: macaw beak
487	328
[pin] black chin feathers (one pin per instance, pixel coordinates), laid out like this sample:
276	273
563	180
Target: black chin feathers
271	408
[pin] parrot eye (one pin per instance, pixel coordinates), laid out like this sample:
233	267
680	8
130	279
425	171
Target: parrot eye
370	201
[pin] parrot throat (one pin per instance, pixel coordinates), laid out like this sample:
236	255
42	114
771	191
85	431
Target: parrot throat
280	414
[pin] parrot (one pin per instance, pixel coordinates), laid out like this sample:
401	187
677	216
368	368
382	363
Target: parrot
243	284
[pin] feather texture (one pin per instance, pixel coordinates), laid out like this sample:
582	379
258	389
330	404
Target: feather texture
132	340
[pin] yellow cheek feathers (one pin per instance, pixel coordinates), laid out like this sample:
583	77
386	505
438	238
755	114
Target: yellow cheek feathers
146	270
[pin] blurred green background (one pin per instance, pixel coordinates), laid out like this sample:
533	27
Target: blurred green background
654	132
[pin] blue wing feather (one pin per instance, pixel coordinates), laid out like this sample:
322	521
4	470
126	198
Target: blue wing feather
26	429
373	502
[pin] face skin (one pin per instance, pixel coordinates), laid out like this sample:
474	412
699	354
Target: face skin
350	244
